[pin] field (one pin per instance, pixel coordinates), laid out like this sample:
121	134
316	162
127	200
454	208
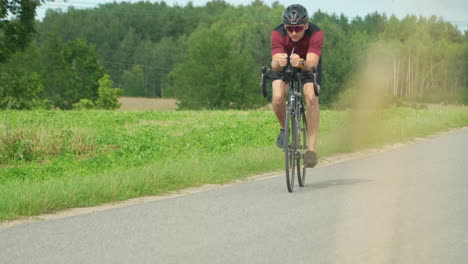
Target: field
145	104
53	160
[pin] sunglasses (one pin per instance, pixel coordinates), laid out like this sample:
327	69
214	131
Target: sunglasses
295	28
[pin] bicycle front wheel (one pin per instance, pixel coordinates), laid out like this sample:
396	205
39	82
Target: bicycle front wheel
302	142
289	148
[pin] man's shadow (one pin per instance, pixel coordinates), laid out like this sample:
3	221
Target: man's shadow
334	182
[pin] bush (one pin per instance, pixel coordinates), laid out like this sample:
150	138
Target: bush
84	104
108	96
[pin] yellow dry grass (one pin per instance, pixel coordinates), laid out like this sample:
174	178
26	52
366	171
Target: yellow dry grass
146	104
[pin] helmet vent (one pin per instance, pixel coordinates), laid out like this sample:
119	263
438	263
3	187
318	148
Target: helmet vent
295	14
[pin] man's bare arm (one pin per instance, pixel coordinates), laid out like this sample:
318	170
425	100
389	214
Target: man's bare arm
311	60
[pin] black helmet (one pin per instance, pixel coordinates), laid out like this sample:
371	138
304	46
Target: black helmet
295	15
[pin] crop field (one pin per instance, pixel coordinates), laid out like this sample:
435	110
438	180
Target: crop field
145	104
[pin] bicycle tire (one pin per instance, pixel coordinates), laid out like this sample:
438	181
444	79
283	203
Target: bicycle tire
302	139
289	149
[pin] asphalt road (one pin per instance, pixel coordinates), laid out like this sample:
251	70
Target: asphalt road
407	205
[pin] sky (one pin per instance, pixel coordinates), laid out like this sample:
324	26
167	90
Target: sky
454	11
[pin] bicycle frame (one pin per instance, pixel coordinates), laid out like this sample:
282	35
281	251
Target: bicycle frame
295	98
295	139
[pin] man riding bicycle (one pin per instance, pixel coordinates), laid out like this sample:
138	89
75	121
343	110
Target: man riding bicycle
305	39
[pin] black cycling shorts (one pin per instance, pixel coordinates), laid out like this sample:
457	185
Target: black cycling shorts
309	78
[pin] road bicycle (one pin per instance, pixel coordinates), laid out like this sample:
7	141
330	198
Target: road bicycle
295	132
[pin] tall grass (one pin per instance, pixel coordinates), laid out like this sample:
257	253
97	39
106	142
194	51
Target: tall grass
146	153
35	197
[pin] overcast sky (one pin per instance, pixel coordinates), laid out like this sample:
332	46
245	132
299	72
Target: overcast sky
455	11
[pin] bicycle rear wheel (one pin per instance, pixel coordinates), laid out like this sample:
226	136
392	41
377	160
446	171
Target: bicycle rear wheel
289	148
302	142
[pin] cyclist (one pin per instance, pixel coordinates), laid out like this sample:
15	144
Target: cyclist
297	34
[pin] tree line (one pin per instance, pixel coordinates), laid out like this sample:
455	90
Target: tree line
209	56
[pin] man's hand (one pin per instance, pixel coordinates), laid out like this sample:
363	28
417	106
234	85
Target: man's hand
282	59
296	61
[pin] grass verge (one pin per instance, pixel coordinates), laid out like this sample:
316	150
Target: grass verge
154	153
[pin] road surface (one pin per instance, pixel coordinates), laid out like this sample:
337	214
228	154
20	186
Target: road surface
407	205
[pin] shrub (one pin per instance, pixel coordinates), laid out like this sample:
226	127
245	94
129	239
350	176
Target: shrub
84	104
108	96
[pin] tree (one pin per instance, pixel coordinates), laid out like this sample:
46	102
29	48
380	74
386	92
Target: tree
336	59
21	91
465	78
21	84
215	75
141	43
133	81
16	25
157	60
70	71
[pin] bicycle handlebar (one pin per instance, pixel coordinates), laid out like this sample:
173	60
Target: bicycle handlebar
262	82
288	71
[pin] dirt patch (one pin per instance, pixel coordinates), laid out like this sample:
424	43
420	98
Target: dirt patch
146	104
331	160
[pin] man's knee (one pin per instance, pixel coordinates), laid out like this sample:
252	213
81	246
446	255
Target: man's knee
278	96
277	99
310	97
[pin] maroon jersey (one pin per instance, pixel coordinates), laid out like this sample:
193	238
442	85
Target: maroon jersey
311	42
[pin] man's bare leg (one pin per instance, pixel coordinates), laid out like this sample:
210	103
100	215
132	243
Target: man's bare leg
278	100
313	114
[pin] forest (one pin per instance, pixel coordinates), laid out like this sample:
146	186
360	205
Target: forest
209	57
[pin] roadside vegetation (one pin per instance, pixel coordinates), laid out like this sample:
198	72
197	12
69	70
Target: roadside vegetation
53	160
385	68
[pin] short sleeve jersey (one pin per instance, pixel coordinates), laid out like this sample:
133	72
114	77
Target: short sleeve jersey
312	41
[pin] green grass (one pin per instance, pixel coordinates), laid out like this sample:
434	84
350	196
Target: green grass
53	160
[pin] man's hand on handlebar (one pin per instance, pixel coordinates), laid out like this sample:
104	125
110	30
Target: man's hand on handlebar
282	60
296	61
